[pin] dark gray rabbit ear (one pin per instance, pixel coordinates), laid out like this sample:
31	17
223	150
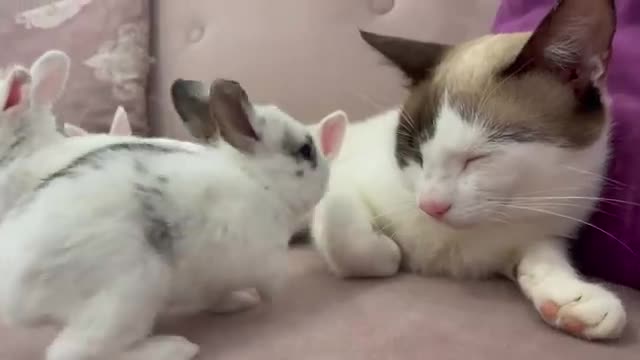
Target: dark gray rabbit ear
191	101
229	104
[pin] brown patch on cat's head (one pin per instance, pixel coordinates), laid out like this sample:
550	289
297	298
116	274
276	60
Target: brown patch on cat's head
541	86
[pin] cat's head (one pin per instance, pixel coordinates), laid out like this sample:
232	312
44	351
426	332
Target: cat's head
505	118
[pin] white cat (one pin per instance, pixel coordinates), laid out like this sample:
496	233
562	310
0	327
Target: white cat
496	156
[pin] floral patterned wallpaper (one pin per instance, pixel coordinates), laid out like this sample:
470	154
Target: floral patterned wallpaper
108	42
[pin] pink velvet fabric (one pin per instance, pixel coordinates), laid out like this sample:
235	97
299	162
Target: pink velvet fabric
303	55
320	317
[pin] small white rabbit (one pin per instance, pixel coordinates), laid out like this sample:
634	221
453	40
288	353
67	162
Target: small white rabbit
190	100
27	124
126	230
26	120
119	125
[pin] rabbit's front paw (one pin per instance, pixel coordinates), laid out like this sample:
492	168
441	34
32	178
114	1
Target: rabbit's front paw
164	347
236	301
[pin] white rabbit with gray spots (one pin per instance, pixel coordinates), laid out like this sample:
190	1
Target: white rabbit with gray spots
190	100
27	126
130	229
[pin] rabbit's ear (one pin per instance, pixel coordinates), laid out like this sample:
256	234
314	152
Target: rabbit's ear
13	86
72	130
330	133
191	101
50	73
230	107
120	124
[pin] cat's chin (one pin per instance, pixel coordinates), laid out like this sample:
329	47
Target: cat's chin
456	224
466	224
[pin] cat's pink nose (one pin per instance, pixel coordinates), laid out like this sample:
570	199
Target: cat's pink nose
436	209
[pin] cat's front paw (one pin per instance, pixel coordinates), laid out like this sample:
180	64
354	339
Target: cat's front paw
582	309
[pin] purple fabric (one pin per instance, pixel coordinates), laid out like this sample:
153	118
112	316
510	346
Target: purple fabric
614	257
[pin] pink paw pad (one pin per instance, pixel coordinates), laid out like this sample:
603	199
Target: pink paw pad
549	311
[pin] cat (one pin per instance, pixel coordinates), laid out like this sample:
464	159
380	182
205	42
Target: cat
494	159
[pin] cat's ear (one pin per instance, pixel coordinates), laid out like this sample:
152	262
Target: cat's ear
329	133
416	59
120	124
73	130
572	42
191	101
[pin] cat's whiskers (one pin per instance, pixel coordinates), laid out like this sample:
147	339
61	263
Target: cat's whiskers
607	180
549	192
583	222
371	101
589	198
400	226
487	94
498	216
380	107
560	205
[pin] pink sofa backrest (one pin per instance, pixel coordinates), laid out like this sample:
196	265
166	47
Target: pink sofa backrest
303	55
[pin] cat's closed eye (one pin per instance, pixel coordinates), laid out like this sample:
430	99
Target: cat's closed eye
472	159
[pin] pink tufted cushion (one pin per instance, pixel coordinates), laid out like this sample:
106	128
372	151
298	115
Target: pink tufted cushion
107	41
304	55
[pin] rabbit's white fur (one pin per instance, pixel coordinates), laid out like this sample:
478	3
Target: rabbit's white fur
121	230
28	125
22	133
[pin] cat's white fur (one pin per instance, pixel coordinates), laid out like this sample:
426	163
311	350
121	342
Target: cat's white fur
369	222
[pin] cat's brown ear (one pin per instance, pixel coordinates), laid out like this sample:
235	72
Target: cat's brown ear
573	42
416	59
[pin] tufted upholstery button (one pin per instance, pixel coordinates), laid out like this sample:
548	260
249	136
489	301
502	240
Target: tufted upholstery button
196	33
382	6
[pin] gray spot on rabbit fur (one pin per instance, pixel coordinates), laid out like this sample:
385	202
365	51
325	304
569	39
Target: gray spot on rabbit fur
159	232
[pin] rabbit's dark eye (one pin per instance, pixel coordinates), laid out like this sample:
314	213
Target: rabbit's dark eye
306	152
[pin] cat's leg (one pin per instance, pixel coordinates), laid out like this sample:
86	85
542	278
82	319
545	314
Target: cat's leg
115	323
563	299
236	301
344	235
